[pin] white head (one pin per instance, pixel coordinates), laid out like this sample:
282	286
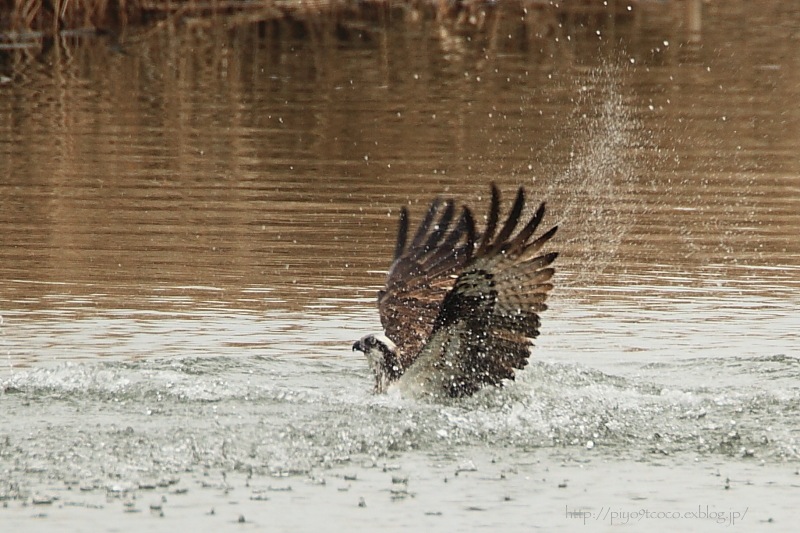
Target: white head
382	357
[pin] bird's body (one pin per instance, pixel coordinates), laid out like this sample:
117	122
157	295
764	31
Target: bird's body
460	308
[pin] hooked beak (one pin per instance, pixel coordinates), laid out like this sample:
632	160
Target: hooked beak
358	345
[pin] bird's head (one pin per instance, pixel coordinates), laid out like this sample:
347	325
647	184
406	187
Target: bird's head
382	357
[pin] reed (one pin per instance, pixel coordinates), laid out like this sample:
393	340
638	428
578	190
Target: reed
29	24
31	19
20	18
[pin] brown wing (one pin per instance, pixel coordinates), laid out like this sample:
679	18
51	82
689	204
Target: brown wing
422	273
486	323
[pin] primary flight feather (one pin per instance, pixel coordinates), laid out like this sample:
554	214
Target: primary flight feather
460	308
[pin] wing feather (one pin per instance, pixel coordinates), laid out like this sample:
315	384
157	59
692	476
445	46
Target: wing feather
402	233
444	256
422	275
491	222
488	318
426	224
512	220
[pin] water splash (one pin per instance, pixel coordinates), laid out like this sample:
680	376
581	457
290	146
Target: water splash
111	421
601	170
4	346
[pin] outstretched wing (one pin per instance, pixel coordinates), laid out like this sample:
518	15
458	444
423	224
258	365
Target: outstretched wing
423	273
487	321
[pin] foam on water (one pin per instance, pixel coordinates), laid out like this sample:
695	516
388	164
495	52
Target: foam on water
153	419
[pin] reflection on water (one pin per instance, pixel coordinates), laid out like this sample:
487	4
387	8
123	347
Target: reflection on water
263	173
235	161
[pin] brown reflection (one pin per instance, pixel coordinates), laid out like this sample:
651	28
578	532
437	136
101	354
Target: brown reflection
277	158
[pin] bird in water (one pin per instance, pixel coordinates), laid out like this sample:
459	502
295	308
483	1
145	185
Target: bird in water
460	308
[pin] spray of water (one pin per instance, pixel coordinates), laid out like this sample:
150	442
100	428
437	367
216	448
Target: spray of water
600	173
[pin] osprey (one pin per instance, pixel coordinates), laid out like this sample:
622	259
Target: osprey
460	308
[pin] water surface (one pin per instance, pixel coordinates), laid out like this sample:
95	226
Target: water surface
193	228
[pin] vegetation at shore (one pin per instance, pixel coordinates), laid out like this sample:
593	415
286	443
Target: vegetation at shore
51	17
35	19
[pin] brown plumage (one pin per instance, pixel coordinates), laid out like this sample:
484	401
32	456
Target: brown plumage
461	307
